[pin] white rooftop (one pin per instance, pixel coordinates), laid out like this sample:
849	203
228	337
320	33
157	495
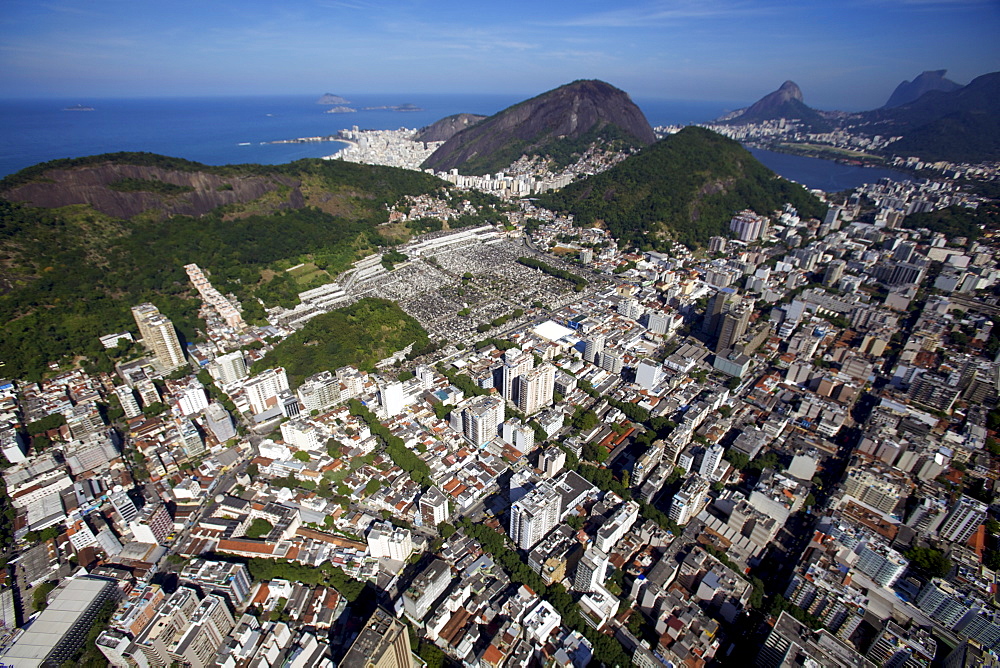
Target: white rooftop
551	330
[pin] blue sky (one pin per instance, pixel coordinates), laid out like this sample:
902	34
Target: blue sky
848	54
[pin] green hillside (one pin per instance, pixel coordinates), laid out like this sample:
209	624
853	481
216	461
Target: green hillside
360	334
71	274
685	187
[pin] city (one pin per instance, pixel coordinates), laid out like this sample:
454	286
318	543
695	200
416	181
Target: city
779	447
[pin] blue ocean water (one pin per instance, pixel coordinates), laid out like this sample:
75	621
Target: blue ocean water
218	131
231	130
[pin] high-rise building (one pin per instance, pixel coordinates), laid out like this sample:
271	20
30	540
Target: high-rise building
720	302
551	461
386	541
393	398
710	461
319	391
229	368
612	361
192	399
717	245
963	520
426	588
123	503
219	577
689	500
734	326
147	392
158	335
263	389
834	272
590	570
190	439
219	422
433	507
518	434
516	363
535	389
593	347
126	397
383	643
481	419
534	515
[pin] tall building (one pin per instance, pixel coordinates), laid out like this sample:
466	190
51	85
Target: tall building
551	461
263	389
734	326
834	272
612	361
593	348
518	434
383	643
515	364
126	397
590	570
219	422
192	399
689	500
319	391
433	507
481	419
721	301
219	577
534	515
963	520
535	389
123	503
386	541
393	398
158	335
426	588
229	368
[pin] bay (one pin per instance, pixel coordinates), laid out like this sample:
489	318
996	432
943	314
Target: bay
826	175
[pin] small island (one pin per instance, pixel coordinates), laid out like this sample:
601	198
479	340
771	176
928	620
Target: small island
340	110
394	107
330	98
78	107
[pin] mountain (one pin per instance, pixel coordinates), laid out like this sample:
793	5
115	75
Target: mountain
330	98
82	240
447	127
786	102
962	125
911	91
685	187
558	123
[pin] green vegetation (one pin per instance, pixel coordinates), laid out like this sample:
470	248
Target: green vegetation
392	258
148	185
929	561
958	221
89	656
360	334
606	649
327	574
40	593
259	528
687	186
47	423
579	283
71	274
401	456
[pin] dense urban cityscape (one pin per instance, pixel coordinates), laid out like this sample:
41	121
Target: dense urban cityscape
778	449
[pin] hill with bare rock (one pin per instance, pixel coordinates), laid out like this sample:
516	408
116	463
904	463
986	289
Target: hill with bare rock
447	127
559	124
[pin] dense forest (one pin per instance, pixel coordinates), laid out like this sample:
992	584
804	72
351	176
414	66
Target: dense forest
958	221
71	275
360	334
686	187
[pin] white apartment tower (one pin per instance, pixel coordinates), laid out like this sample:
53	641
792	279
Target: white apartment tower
534	515
158	335
516	364
535	389
481	419
229	368
263	390
127	399
963	520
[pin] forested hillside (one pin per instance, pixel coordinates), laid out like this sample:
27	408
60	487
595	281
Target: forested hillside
685	187
71	274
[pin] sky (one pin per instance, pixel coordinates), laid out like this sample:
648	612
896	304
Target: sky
846	54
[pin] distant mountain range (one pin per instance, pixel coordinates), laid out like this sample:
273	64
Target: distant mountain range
558	124
936	118
911	91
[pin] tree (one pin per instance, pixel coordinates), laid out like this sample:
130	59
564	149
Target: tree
373	486
929	561
302	456
259	528
446	530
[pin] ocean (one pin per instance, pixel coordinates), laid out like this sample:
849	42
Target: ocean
233	130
